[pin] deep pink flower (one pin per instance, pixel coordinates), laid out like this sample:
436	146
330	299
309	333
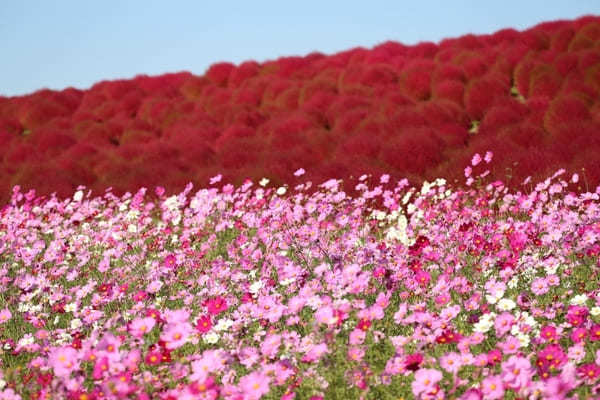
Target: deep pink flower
203	324
590	372
578	335
170	261
595	333
216	305
548	333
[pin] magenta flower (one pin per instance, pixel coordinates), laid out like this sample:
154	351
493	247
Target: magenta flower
578	335
548	333
203	324
216	305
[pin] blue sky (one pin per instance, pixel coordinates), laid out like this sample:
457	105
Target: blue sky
62	43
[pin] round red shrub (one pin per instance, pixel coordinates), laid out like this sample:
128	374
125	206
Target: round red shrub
447	71
561	39
193	87
480	94
565	109
452	134
415	79
243	72
413	151
544	80
503	36
535	39
422	50
450	90
565	63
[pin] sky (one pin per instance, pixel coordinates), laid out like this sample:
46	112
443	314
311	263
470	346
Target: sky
64	43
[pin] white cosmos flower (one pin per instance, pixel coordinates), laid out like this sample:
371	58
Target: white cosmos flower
506	304
263	182
76	323
579	300
211	337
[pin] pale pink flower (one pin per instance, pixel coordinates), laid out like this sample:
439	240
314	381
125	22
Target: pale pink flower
254	385
63	360
426	381
488	156
5	315
476	159
140	326
492	387
176	335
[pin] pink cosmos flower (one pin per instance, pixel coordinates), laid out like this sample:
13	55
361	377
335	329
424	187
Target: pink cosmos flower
557	388
254	385
488	156
503	323
299	172
215	179
451	362
595	333
176	335
356	353
516	372
476	159
357	336
270	345
203	324
426	381
140	326
510	345
492	387
100	367
216	305
539	286
5	315
63	360
578	335
548	333
315	352
170	261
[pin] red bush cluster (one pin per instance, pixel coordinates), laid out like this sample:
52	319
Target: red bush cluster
532	97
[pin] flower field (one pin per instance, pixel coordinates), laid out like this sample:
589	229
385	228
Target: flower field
160	237
532	97
259	292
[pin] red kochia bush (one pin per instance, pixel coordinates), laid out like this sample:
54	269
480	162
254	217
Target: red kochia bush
482	93
535	88
242	73
413	151
415	79
564	110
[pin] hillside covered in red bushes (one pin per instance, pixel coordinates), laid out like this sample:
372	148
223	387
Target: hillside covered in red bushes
420	112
